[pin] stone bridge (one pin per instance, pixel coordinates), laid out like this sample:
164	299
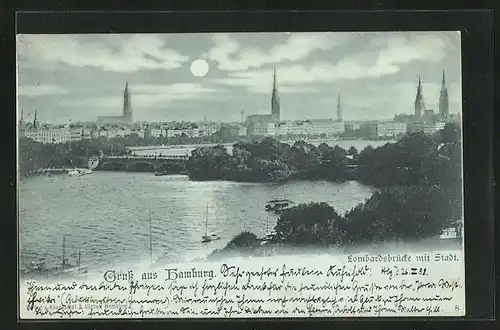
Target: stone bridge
162	164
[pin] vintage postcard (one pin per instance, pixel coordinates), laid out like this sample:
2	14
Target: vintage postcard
237	175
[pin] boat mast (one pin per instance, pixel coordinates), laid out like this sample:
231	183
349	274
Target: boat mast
206	222
150	239
79	257
63	250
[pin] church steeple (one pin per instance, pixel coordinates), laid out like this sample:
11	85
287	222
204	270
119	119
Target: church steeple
34	121
339	109
443	99
419	100
275	100
127	107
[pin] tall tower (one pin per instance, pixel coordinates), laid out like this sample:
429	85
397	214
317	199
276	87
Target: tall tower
275	101
339	109
419	100
35	123
127	106
443	99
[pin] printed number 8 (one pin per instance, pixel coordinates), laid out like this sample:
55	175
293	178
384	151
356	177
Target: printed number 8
457	308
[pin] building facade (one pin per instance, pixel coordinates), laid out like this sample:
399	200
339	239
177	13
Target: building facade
188	131
391	129
57	134
368	129
261	124
427	128
350	127
208	129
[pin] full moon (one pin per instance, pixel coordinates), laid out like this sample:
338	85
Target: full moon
199	68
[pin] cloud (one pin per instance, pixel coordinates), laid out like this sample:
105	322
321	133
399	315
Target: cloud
41	90
111	52
401	50
145	96
382	56
383	101
231	56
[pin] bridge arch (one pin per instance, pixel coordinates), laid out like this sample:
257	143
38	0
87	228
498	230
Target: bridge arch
175	167
113	166
141	166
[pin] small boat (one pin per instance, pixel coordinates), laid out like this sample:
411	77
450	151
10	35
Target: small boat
73	172
64	269
69	269
84	171
208	237
456	231
79	171
279	205
160	173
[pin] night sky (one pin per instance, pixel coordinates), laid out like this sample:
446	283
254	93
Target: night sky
80	77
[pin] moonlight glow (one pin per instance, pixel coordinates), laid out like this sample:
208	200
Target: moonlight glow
199	68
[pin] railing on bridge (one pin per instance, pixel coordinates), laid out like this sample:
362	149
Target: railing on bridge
149	157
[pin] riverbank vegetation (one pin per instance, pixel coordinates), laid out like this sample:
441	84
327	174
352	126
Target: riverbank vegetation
419	181
34	155
398	214
415	158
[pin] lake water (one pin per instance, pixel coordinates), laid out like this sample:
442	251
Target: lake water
106	214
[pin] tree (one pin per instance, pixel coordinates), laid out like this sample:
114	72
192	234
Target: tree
209	163
353	152
311	224
406	213
242	241
451	133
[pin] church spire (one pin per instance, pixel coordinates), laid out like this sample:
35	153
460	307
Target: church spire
443	99
275	100
419	100
339	109
127	106
34	121
275	88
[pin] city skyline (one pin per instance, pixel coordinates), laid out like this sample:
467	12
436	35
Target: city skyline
81	77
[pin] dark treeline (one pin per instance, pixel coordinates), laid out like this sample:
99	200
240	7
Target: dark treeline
414	159
419	181
390	215
35	155
269	160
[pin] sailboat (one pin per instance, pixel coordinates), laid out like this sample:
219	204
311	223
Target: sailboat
269	234
64	269
67	268
208	237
